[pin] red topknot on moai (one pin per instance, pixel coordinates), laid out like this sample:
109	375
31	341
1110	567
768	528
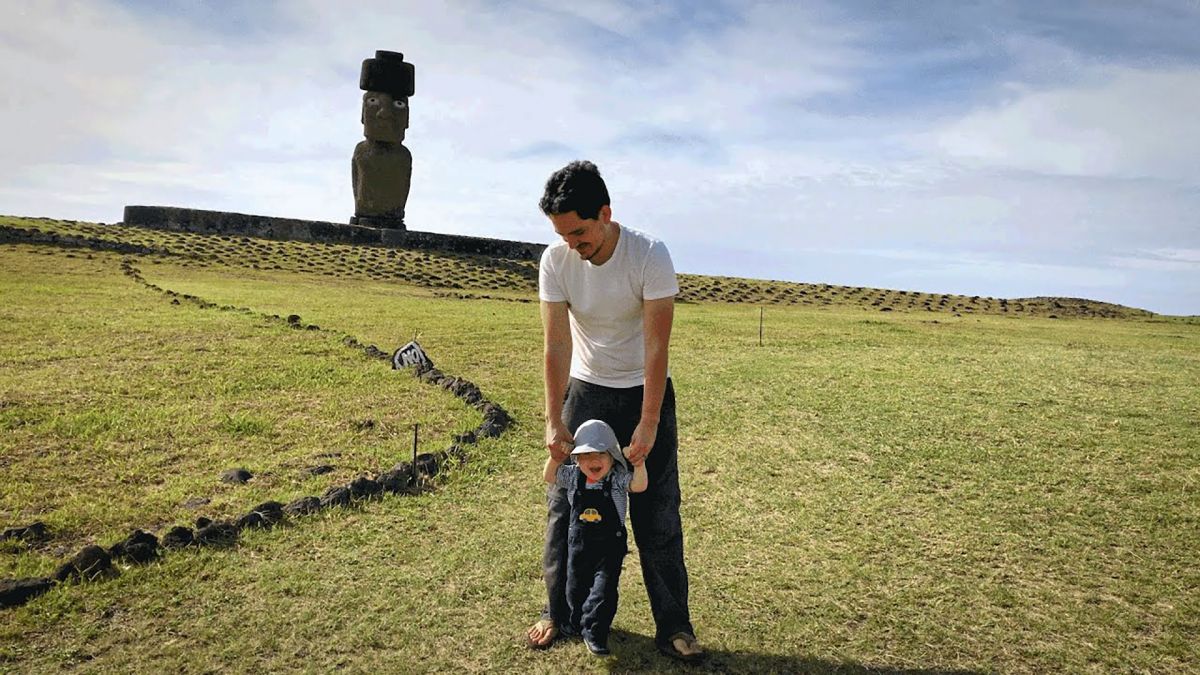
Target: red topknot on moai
381	169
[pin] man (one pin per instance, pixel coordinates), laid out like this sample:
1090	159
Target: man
607	302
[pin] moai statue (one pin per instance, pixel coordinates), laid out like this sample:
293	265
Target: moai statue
381	170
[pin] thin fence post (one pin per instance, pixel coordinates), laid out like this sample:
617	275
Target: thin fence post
416	427
760	326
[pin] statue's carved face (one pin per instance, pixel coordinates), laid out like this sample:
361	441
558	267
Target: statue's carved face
384	118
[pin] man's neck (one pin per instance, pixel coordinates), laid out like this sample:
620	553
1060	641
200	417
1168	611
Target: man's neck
610	244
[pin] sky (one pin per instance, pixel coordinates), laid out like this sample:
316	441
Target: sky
1006	149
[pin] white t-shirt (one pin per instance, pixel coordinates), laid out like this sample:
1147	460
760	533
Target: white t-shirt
605	304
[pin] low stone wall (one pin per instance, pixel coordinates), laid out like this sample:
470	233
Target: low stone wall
290	229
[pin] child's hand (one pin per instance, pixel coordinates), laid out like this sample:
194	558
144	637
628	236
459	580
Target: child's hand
625	451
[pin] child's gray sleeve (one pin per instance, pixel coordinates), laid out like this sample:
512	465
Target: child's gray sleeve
562	479
625	479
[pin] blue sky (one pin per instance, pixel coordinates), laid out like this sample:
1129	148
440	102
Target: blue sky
1007	149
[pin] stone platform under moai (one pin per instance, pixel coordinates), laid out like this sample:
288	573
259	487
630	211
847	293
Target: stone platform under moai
176	219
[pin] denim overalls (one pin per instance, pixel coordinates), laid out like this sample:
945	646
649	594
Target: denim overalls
596	548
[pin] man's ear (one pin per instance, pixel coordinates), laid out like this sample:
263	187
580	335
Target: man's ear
605	214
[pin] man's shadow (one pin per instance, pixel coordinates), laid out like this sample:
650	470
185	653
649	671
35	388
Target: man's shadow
633	653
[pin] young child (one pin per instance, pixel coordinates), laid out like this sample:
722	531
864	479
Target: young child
598	488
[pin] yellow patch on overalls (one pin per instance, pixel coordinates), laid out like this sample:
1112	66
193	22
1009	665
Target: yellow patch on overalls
590	516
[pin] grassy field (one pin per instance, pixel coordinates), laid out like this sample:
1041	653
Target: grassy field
865	492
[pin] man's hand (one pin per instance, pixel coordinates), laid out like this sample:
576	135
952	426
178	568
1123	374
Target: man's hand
559	441
625	451
642	442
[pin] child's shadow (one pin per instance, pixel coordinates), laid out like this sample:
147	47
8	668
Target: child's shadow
633	653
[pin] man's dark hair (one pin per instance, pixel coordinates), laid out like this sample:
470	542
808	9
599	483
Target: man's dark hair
576	187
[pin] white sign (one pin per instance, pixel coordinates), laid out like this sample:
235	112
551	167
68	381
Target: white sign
411	354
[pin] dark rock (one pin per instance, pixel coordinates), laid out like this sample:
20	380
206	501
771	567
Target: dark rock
251	519
466	438
203	522
431	375
138	547
318	469
293	319
302	506
460	387
178	537
89	563
489	429
364	487
499	415
468	392
269	513
236	476
220	533
335	496
14	592
196	502
427	464
140	554
396	480
140	537
32	533
494	410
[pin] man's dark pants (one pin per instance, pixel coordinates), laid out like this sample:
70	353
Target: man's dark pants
654	513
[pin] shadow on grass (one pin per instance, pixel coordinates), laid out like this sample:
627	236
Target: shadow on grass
637	654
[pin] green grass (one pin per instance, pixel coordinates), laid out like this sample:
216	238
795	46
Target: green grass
120	407
893	491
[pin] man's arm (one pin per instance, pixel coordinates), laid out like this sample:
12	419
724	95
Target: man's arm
657	317
556	333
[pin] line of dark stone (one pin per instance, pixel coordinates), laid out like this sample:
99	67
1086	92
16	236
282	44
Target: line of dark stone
140	547
19	235
480	296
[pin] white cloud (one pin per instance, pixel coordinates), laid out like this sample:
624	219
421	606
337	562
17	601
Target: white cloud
1184	255
1161	260
1115	122
64	81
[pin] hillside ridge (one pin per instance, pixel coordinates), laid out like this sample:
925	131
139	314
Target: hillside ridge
471	276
